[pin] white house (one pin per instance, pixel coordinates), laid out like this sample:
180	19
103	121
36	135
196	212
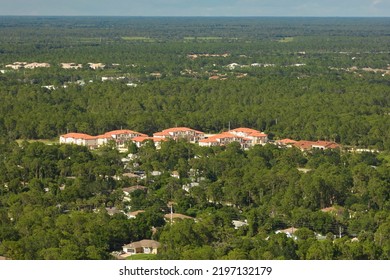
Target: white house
225	139
80	139
120	137
256	136
140	140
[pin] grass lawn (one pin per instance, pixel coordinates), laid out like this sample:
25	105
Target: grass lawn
44	141
286	40
142	257
138	38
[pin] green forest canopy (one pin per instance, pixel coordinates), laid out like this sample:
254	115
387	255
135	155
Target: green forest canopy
53	198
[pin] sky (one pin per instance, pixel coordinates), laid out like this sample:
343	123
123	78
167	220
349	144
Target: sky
316	8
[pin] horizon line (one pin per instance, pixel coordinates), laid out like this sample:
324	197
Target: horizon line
197	16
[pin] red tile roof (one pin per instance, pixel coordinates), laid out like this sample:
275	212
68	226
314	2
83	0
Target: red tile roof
245	130
122	131
258	134
161	133
327	144
176	129
286	141
304	145
249	132
208	140
78	136
222	135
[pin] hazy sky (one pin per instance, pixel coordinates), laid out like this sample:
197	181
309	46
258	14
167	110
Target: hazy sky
197	7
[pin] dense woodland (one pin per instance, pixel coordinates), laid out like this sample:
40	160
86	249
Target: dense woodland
326	79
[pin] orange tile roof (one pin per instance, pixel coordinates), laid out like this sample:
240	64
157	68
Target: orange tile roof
222	135
258	134
161	133
123	131
327	144
208	140
305	145
175	129
78	136
227	135
103	136
286	141
245	130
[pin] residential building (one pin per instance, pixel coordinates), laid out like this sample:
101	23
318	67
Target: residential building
290	232
80	139
177	133
36	65
323	145
224	139
247	137
120	137
257	137
128	190
71	65
309	145
145	246
140	140
285	142
96	66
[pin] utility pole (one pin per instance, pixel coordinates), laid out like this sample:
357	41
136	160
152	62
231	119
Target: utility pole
171	214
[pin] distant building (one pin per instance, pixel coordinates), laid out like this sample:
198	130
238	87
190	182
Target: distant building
177	133
71	65
247	138
80	139
224	139
145	246
129	190
285	142
140	140
290	232
36	65
120	137
237	224
321	145
96	66
18	65
256	136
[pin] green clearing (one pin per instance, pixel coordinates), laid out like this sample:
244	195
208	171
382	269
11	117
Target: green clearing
207	38
44	141
138	38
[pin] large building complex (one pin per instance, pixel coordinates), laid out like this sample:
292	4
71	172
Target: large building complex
120	137
246	137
